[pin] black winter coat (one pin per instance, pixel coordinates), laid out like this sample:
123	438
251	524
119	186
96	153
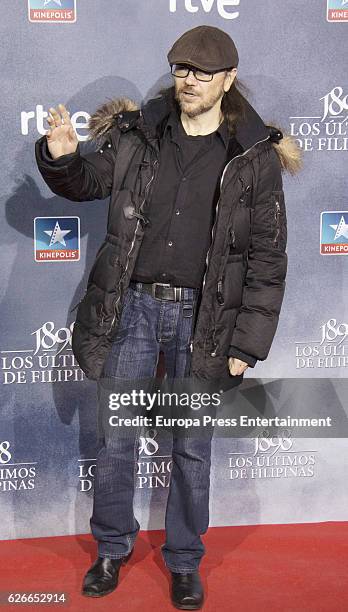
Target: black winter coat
244	282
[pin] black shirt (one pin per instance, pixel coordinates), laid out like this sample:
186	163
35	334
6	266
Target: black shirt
182	206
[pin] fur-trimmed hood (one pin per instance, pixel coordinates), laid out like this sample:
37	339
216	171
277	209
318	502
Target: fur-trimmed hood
106	117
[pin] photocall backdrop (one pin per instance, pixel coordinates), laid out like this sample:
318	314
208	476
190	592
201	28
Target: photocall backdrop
293	59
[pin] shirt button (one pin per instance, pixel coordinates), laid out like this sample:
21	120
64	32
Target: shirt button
170	243
164	275
177	212
184	179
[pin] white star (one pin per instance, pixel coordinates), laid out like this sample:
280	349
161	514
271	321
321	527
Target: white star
59	2
57	235
342	227
344	2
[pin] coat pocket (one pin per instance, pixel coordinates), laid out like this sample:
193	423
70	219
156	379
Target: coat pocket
239	231
90	274
278	220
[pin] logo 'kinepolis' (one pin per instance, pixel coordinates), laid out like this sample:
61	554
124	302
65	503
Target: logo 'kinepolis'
334	232
56	239
50	11
223	7
337	10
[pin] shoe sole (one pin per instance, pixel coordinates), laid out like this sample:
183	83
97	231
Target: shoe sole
93	594
187	606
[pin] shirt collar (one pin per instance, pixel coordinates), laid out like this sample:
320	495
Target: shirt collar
172	127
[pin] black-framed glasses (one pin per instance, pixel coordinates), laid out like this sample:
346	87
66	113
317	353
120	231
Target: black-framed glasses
181	71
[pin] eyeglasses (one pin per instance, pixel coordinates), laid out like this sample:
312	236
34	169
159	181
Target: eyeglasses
181	71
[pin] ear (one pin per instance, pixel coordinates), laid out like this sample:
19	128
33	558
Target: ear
229	78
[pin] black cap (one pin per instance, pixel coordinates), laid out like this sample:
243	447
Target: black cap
204	47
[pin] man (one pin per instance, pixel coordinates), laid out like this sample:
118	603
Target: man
193	264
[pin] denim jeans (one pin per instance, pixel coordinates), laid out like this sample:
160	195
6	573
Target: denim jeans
148	325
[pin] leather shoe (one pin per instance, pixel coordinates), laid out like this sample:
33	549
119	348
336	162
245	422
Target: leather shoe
187	591
102	577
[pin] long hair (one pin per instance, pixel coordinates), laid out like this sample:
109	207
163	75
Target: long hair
234	104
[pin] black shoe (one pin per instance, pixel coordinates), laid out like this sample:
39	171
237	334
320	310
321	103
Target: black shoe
102	577
187	591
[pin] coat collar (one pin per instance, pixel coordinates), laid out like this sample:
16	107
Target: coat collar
248	132
152	117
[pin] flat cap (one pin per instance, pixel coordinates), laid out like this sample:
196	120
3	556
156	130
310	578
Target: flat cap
204	47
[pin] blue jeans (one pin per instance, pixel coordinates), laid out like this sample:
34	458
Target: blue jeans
147	326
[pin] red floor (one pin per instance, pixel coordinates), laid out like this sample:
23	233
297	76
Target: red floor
267	568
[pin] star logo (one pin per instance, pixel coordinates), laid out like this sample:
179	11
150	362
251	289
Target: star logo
341	228
58	239
337	10
55	11
334	232
57	235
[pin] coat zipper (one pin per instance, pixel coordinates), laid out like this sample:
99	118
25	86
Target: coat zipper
215	344
140	217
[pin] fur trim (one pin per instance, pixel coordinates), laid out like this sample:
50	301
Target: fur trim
103	118
289	153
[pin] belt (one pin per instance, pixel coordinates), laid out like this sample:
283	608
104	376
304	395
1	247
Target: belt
162	291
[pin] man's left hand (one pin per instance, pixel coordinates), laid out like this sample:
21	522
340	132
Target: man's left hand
236	366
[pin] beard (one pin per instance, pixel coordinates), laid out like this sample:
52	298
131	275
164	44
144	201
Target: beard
198	106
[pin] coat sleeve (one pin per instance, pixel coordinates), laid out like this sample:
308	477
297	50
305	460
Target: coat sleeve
249	359
74	176
264	285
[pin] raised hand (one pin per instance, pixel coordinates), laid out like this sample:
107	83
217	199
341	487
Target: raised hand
61	136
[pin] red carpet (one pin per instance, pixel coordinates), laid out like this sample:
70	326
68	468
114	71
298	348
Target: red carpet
262	568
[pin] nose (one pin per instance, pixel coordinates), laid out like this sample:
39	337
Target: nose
190	79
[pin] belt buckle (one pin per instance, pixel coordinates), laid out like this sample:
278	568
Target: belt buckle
177	294
153	289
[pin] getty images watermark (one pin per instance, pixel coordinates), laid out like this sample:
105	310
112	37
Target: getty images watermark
190	407
192	412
